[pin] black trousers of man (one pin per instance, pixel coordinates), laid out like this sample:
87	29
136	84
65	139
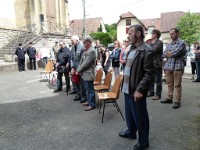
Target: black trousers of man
21	64
32	63
59	81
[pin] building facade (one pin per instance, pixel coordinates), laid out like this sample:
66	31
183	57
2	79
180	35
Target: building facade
21	14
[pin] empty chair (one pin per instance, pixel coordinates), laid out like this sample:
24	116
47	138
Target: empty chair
111	97
98	77
48	69
107	82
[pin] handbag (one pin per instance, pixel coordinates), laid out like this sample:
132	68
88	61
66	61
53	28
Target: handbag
62	69
76	78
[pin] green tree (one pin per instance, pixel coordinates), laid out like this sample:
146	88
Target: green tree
105	38
112	29
189	27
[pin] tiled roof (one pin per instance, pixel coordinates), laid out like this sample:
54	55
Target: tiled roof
166	21
151	22
92	25
127	15
170	19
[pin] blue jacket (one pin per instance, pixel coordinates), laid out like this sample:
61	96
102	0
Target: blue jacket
31	51
20	52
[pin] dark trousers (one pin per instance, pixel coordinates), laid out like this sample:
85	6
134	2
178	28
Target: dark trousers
89	86
193	67
198	68
81	89
106	67
137	118
59	80
45	60
21	64
158	82
32	63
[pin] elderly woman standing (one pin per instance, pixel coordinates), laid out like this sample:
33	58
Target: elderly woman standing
105	59
115	57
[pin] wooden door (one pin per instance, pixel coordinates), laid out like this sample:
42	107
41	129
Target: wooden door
51	15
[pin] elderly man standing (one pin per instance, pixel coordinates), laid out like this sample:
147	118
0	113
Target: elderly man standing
87	71
77	51
174	67
62	64
138	74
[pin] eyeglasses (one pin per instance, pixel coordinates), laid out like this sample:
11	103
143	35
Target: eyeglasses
126	41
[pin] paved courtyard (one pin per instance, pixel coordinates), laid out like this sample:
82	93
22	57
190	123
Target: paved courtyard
32	117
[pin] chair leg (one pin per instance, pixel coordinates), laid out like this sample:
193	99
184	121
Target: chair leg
119	110
103	110
99	107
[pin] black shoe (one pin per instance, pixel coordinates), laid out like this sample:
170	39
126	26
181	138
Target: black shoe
77	98
139	147
197	80
150	94
57	91
176	105
83	100
72	92
125	135
166	101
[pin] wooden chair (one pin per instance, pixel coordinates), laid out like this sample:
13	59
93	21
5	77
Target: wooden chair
111	97
106	85
98	77
48	69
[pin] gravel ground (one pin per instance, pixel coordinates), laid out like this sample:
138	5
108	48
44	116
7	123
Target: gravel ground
32	117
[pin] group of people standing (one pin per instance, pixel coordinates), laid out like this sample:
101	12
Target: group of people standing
195	62
45	53
142	66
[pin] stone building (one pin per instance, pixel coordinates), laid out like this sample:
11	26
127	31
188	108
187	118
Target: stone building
17	14
24	21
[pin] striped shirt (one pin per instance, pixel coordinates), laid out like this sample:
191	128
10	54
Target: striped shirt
129	62
176	61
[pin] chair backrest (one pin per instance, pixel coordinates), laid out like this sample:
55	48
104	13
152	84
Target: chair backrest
108	79
49	66
116	86
98	76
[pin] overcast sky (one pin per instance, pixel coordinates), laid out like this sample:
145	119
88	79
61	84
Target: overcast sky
110	10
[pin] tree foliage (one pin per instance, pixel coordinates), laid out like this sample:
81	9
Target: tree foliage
189	27
112	29
105	38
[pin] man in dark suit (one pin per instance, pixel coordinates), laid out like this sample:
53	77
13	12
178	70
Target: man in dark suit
31	51
20	52
158	50
63	66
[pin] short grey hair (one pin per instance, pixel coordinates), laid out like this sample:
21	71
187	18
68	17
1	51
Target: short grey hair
87	38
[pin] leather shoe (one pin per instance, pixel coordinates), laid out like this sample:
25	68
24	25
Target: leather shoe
77	98
85	104
89	108
196	80
83	100
125	135
57	91
166	101
139	147
156	98
72	92
176	105
150	94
